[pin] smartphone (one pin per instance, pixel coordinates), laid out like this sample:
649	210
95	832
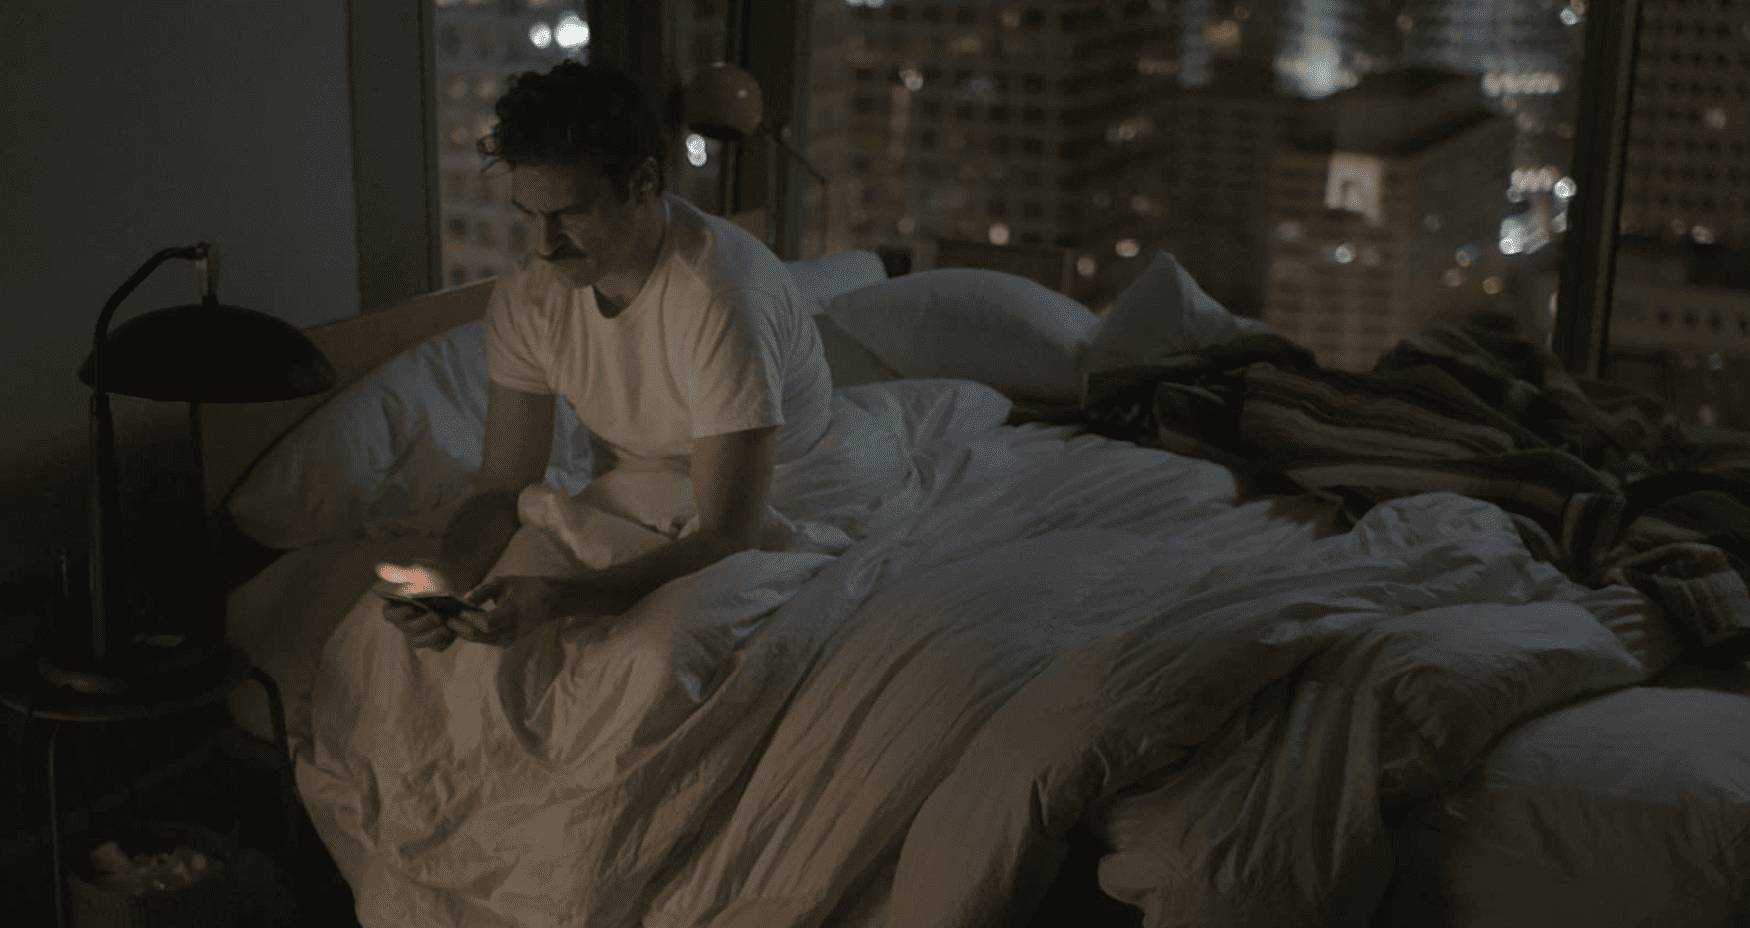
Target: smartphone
421	587
446	606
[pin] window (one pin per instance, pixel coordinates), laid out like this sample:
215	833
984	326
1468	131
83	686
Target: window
480	46
1071	110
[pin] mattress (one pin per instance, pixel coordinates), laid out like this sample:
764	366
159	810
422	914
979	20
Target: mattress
1627	810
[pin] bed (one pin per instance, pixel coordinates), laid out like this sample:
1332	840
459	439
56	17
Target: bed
995	647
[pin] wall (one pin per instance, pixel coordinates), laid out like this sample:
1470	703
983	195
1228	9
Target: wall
130	127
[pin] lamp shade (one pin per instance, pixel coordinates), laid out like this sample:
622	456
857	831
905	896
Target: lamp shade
723	102
211	353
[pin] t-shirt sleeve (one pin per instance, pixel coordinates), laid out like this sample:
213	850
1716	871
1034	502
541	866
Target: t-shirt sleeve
513	358
738	366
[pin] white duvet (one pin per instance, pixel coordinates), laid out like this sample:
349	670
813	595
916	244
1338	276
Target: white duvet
973	636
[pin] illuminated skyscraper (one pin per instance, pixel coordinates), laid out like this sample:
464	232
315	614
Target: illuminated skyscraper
1688	171
1389	216
984	121
479	47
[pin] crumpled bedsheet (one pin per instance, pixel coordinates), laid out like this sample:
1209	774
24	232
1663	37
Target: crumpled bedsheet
977	635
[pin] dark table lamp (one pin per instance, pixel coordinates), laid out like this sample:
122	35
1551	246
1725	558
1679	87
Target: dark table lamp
723	102
200	353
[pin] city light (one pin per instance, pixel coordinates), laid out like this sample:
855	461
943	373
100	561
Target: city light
1454	277
1318	69
1087	266
981	88
1343	254
1354	183
1565	188
1537	179
1223	37
1288	231
907	225
1519	237
999	233
696	153
1127	248
573	32
1702	235
912	78
1527	84
1569	17
1492	284
1715	117
540	35
1129	130
1431	222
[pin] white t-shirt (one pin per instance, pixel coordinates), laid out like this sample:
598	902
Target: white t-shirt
718	340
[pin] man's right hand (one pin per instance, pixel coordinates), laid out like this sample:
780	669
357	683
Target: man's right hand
423	627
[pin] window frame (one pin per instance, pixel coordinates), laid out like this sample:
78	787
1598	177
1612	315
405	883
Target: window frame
1580	336
397	189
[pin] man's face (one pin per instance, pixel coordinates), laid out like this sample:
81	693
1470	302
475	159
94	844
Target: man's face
575	220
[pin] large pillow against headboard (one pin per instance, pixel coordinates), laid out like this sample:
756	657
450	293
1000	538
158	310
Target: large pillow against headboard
1162	313
393	454
394	451
823	278
1002	330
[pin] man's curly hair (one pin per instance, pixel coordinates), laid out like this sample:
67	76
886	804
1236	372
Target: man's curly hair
577	112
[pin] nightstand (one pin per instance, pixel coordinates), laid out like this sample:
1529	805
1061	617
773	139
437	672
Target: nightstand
24	690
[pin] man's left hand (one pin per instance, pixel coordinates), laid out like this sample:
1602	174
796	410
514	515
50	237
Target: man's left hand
518	605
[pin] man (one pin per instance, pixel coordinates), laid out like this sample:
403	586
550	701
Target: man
678	339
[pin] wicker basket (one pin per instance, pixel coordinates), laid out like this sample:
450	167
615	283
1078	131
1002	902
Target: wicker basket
218	901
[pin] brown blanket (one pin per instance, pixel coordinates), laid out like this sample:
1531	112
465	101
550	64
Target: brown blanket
1599	479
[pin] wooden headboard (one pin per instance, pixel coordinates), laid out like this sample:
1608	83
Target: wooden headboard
236	435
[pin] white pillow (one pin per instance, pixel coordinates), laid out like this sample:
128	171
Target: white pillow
852	365
1002	330
1162	313
392	455
820	279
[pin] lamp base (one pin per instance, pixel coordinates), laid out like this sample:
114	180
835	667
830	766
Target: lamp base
140	670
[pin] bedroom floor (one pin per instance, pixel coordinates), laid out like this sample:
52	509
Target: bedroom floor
238	786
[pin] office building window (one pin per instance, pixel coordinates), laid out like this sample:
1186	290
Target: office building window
480	46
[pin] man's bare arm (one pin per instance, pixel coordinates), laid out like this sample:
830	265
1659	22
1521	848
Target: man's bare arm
517	444
732	479
476	537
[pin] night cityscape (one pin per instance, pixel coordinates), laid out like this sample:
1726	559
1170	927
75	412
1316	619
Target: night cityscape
1345	170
